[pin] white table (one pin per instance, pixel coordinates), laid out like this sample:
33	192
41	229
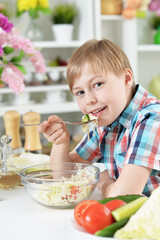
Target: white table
23	219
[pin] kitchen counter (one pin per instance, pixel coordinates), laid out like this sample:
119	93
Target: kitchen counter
23	219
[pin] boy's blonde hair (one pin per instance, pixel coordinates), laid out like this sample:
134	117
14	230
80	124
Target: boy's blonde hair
103	56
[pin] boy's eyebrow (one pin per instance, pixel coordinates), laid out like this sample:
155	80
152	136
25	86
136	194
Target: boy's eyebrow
78	87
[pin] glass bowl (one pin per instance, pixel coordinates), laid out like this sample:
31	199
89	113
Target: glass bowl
61	187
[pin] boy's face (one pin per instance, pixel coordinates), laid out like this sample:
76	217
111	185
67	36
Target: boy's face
103	96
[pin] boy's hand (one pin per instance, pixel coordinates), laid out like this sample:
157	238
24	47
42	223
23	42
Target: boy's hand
104	181
55	133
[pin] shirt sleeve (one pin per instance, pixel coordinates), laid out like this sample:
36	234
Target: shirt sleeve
144	147
88	148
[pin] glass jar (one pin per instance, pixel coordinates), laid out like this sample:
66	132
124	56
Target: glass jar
34	32
9	177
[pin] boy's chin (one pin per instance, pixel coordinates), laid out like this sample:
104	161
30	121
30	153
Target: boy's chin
102	123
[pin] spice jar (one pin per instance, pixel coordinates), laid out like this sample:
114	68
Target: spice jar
111	7
32	136
12	126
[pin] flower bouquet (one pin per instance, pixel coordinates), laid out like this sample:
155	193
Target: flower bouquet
33	7
13	47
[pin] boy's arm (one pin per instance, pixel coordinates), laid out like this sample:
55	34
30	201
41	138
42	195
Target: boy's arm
131	181
75	157
60	153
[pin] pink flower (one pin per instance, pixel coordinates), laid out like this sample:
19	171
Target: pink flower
155	6
5	24
38	62
13	77
16	41
11	38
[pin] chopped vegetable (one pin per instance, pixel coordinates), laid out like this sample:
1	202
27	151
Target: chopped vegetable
114	204
85	118
80	208
96	217
128	209
126	198
111	229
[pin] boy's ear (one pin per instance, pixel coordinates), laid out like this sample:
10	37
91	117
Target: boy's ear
128	78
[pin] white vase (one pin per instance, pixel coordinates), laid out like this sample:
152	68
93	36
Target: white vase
62	32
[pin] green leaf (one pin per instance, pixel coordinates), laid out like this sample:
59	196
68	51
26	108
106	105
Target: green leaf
1	70
19	58
5	61
21	68
64	13
15	60
45	10
33	13
18	13
8	50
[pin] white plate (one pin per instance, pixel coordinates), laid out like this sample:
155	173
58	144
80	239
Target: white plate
87	236
81	230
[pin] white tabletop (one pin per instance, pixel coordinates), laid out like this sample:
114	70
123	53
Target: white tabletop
23	219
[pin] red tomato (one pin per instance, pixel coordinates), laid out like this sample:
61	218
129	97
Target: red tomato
114	204
80	208
96	217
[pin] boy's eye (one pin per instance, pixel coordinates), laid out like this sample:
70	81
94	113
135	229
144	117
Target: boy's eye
80	93
98	84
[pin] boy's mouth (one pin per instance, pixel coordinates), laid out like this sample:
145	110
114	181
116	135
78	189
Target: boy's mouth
98	111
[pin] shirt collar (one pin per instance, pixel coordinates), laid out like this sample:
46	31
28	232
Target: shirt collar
135	104
127	115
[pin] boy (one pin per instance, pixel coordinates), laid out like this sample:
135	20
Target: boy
127	139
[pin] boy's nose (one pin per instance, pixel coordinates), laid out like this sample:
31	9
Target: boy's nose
91	99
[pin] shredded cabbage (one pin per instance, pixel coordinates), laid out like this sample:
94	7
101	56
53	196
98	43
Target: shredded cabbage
66	192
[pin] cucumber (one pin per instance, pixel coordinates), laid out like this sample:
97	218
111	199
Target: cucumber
110	230
128	209
85	118
126	198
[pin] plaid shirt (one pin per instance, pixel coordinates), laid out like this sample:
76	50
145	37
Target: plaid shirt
133	138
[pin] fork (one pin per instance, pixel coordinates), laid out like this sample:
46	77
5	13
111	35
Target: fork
66	122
